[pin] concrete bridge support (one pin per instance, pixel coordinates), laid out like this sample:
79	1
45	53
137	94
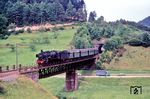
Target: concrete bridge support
71	81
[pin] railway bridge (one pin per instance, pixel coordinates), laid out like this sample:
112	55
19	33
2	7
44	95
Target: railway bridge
69	67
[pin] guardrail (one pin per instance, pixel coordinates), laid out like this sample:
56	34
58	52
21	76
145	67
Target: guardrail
4	69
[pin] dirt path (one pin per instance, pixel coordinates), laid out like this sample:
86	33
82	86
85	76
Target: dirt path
11	76
112	76
47	26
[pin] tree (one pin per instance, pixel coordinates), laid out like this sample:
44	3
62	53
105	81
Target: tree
60	12
82	38
145	38
113	43
71	11
3	27
92	16
100	20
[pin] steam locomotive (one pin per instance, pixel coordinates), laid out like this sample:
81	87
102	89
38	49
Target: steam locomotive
51	57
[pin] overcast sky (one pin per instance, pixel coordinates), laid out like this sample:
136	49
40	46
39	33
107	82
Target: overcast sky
133	10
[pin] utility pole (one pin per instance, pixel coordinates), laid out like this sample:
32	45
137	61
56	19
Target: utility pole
16	55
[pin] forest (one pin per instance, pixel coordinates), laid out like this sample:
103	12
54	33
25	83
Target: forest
30	12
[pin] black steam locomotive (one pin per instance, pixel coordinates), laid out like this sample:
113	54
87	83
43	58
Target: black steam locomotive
51	57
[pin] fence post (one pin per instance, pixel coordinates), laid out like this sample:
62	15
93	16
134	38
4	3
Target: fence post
7	68
13	67
19	67
0	69
73	55
80	53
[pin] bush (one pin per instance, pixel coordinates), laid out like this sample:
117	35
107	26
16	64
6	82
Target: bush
29	30
46	40
106	57
20	31
145	37
13	48
135	42
142	40
32	47
61	28
41	40
54	29
48	29
113	43
82	38
2	90
42	29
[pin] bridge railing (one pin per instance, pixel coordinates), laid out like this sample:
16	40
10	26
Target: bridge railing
19	68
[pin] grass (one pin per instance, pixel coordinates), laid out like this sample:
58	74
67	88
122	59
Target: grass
25	54
24	88
135	58
99	88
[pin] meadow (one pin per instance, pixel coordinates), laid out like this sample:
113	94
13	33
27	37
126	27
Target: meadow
29	44
24	88
134	59
99	88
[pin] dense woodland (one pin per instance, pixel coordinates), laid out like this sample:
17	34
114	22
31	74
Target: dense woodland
29	12
32	12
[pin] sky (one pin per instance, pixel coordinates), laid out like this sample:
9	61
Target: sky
132	10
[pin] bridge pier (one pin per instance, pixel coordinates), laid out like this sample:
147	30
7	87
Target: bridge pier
71	81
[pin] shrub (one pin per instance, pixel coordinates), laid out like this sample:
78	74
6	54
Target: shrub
2	90
42	29
32	47
20	31
72	27
55	35
48	29
46	40
29	30
12	47
61	28
113	43
106	57
135	42
54	29
141	40
145	37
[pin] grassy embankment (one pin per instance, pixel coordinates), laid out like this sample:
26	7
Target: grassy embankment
25	54
135	59
24	88
99	88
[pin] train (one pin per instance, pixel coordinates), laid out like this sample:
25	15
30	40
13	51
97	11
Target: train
54	56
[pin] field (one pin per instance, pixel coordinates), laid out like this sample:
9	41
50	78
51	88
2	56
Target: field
99	88
24	88
26	54
134	59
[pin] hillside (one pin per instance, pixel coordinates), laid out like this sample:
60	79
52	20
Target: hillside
32	44
145	22
24	88
31	12
135	58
